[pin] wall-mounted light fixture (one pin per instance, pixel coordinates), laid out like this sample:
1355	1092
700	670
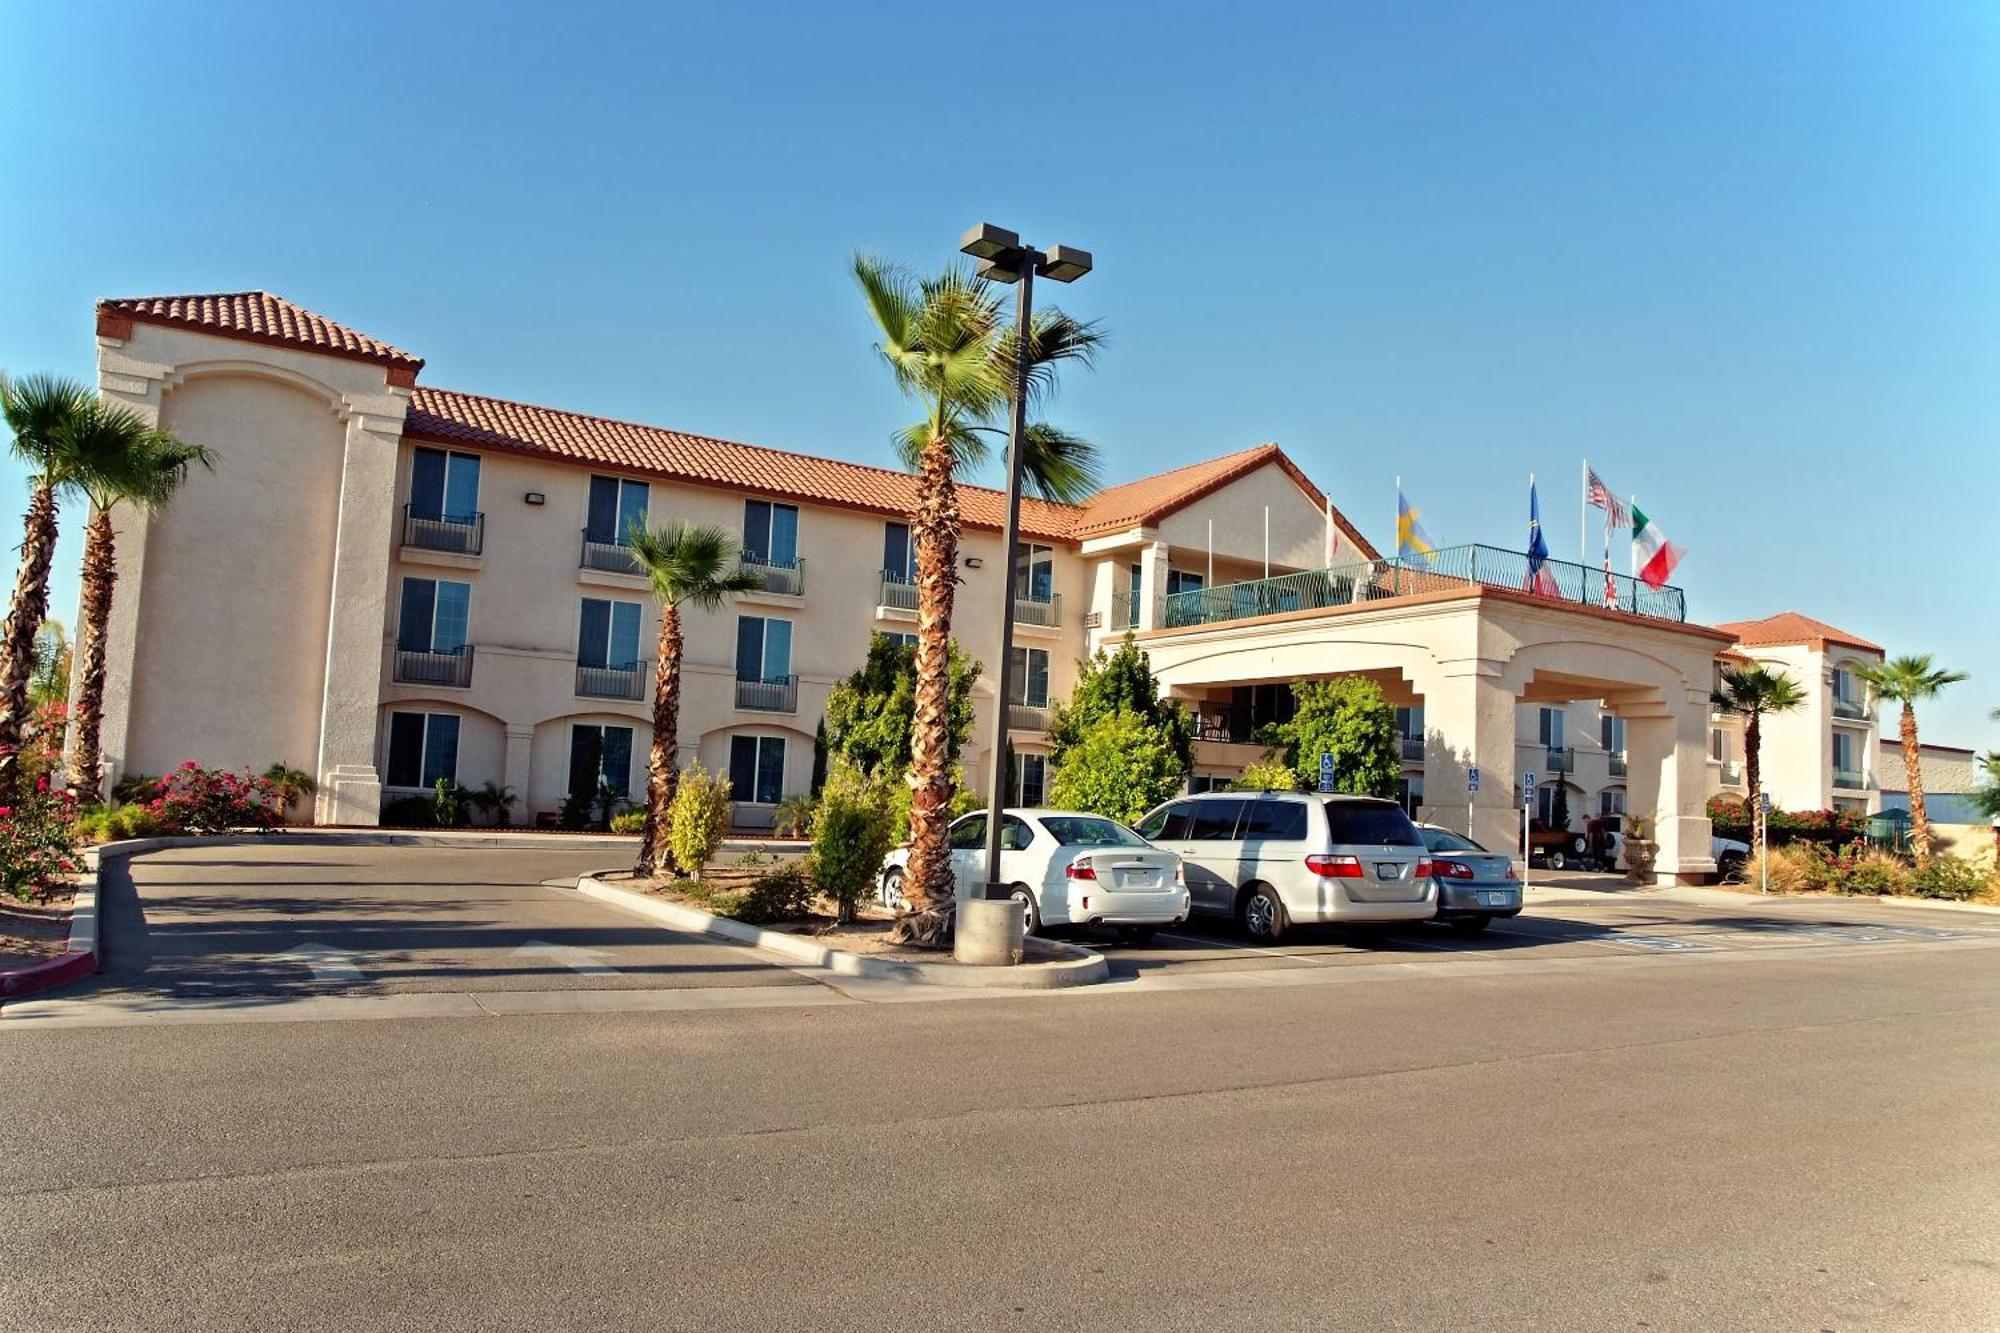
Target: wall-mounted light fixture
536	498
973	562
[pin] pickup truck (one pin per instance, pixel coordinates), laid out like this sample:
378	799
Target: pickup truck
1732	858
1558	849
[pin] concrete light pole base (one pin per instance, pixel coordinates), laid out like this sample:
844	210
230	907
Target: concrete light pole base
990	933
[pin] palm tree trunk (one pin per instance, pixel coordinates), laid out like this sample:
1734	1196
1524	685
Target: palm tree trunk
1913	771
100	576
928	883
662	777
1753	781
26	613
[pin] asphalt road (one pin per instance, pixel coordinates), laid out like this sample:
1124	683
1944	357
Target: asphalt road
1790	1125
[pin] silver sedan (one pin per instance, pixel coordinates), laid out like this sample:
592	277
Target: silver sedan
1474	885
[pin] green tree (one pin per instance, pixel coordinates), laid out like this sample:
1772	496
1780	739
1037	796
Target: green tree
687	566
1121	766
1909	681
1350	718
851	833
1750	692
290	785
950	350
48	683
699	814
1267	774
1120	680
1559	808
871	716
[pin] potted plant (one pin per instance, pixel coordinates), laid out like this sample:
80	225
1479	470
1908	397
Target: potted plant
1640	849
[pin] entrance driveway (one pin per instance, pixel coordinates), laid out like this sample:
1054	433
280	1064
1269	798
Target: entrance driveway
279	921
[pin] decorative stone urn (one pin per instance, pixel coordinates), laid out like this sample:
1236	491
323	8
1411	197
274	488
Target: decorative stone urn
1640	852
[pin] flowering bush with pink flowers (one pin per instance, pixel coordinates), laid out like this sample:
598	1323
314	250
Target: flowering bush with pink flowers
203	801
37	840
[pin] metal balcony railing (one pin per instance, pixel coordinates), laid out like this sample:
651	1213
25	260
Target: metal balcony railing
779	695
612	682
778	575
1440	571
443	532
1856	709
607	557
1124	611
1732	773
1413	746
1619	764
1850	779
1030	610
1027	717
898	592
423	666
1562	759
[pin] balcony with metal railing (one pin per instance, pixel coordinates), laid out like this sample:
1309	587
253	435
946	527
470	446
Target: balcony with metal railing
607	557
1561	759
1852	779
426	666
1028	717
1124	611
428	530
1045	611
1850	710
898	592
1444	570
1413	747
779	694
1620	766
780	576
1732	773
612	682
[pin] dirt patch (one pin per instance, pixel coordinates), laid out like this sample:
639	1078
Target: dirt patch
32	933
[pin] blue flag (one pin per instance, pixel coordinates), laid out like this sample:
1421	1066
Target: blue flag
1541	579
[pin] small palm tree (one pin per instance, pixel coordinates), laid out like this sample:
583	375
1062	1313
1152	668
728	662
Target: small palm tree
688	566
48	683
496	801
951	351
1751	692
1909	681
290	785
138	466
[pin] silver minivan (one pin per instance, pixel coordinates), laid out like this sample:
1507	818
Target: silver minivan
1269	860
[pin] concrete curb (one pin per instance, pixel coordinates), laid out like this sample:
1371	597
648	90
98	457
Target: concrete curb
1084	967
356	837
81	959
1548	893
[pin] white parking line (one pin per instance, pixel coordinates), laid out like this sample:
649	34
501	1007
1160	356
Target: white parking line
1243	950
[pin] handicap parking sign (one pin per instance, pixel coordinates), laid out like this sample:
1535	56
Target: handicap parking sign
1326	770
1472	778
1528	787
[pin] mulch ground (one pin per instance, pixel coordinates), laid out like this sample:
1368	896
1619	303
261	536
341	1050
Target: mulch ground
33	933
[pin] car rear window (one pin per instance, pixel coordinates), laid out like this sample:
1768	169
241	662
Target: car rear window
1380	825
1081	831
1215	821
1444	840
1279	821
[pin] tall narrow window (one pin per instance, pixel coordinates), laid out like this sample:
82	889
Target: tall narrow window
1180	580
1134	580
423	747
899	553
1031	774
444	486
1028	677
763	649
608	634
1611	731
770	533
600	756
1034	572
616	507
757	769
1552	727
435	616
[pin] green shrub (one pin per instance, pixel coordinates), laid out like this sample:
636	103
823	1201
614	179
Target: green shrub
1267	774
1947	877
1867	875
134	787
850	836
93	824
628	821
1121	766
1350	718
409	812
136	821
785	894
699	814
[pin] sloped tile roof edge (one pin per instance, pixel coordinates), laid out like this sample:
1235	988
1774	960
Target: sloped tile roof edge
255	316
1793	627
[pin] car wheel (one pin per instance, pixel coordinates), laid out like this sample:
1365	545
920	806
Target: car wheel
892	891
1261	915
1470	925
1024	896
1558	860
1136	934
1731	867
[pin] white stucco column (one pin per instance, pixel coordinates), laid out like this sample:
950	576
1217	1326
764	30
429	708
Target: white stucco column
1468	722
1667	784
1152	585
515	767
350	788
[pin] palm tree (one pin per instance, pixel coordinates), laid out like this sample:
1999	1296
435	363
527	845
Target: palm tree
41	411
688	566
1751	692
951	351
289	785
1909	681
142	467
49	682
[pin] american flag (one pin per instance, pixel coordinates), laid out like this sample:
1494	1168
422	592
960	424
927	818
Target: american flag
1616	515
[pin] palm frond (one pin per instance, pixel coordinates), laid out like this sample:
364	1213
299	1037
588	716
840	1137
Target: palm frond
1909	679
691	565
1055	340
1059	466
1755	690
40	411
969	451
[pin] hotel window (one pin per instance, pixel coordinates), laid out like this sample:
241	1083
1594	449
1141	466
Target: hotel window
600	756
899	553
1846	687
1030	773
1718	744
1611	732
1410	794
1843	753
1134	580
770	533
1611	801
608	634
1034	572
1028	677
423	747
1552	727
1410	722
444	486
897	637
1545	804
763	649
616	507
1179	580
435	616
757	769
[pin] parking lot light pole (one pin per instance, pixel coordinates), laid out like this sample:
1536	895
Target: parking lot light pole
1002	258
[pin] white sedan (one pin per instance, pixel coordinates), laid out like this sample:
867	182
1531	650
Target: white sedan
1067	868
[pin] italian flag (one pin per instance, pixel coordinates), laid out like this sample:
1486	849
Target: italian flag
1653	556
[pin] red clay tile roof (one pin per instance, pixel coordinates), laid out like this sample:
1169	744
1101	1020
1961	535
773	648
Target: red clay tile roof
1789	627
259	317
447	416
1146	501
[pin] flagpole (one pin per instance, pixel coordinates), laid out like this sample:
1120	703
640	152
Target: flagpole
1632	560
1267	541
1583	521
1398	529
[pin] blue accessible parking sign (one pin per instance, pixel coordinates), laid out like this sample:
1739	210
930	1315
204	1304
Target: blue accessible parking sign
1326	770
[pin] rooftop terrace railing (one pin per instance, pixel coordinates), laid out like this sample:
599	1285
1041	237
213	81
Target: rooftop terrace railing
1441	571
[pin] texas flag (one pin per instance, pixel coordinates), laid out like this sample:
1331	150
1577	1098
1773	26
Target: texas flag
1653	556
1541	579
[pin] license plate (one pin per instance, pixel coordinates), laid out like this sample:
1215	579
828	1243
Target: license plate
1497	898
1138	879
1388	870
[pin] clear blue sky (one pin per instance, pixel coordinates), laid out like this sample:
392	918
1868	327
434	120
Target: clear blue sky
1744	256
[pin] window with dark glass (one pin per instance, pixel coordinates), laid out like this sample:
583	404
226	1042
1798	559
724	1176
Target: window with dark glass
1276	821
423	747
1215	820
1031	771
608	634
600	756
444	485
616	507
434	616
1180	580
1034	572
1028	677
757	769
899	553
763	649
770	533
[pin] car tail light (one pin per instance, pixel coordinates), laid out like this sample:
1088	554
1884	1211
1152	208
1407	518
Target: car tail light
1423	869
1334	867
1510	872
1080	870
1180	873
1452	870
